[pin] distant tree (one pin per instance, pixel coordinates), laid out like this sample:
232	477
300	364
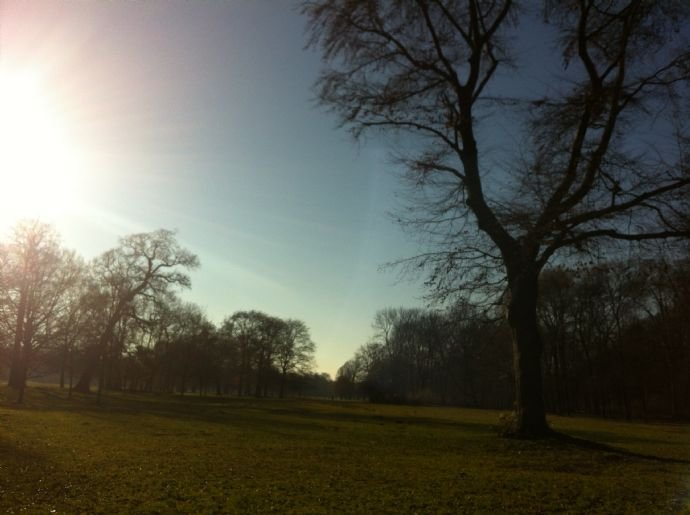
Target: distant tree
269	334
180	336
256	337
169	321
143	267
240	331
667	283
455	356
347	379
294	351
314	384
556	309
207	359
73	328
582	170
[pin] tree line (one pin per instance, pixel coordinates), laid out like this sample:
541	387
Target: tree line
616	343
117	322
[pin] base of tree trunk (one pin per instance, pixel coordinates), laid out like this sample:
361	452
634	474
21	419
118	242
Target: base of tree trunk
14	382
513	427
83	385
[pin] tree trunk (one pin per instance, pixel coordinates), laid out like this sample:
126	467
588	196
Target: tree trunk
259	378
84	383
90	366
95	361
65	358
16	363
63	365
282	383
527	349
23	372
25	360
101	377
70	373
21	384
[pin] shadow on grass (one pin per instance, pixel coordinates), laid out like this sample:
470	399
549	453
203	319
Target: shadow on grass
269	415
583	443
17	455
273	415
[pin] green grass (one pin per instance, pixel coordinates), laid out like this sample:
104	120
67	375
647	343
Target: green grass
159	454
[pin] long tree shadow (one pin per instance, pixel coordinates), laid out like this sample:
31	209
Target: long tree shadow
260	414
583	443
263	414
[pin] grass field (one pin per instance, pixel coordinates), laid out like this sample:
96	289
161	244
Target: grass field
160	454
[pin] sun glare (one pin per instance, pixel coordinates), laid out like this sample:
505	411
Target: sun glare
40	167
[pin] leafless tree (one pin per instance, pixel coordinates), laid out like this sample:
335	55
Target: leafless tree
143	267
599	156
38	278
294	351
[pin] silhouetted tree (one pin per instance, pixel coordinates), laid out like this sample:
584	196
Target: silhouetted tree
294	351
183	338
142	267
241	331
73	327
668	287
423	356
579	174
38	276
556	318
347	379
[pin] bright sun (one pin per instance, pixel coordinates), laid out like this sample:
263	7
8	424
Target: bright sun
40	167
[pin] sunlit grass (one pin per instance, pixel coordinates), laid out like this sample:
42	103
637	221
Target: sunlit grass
152	454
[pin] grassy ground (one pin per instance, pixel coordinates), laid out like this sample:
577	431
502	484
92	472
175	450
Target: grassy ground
156	454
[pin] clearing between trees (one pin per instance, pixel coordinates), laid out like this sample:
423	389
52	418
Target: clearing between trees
164	454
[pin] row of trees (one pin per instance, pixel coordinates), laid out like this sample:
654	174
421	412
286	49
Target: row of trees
616	343
417	355
118	321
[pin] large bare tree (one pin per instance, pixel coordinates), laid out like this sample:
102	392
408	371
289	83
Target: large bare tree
143	268
599	155
36	281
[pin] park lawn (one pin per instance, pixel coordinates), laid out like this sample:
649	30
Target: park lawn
163	454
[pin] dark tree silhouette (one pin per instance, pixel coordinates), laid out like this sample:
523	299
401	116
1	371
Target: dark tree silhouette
37	278
144	266
294	351
584	170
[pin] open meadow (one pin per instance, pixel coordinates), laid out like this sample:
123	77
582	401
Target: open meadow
164	454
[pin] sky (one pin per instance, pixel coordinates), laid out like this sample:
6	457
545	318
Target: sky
124	117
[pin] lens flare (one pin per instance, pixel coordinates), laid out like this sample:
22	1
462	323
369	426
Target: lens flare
40	167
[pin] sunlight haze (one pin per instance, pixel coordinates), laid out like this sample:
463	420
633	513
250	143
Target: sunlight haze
122	117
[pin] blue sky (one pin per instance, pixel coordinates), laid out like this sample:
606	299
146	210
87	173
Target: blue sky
198	116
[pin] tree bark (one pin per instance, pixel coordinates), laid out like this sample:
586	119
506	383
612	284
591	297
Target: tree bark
527	350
